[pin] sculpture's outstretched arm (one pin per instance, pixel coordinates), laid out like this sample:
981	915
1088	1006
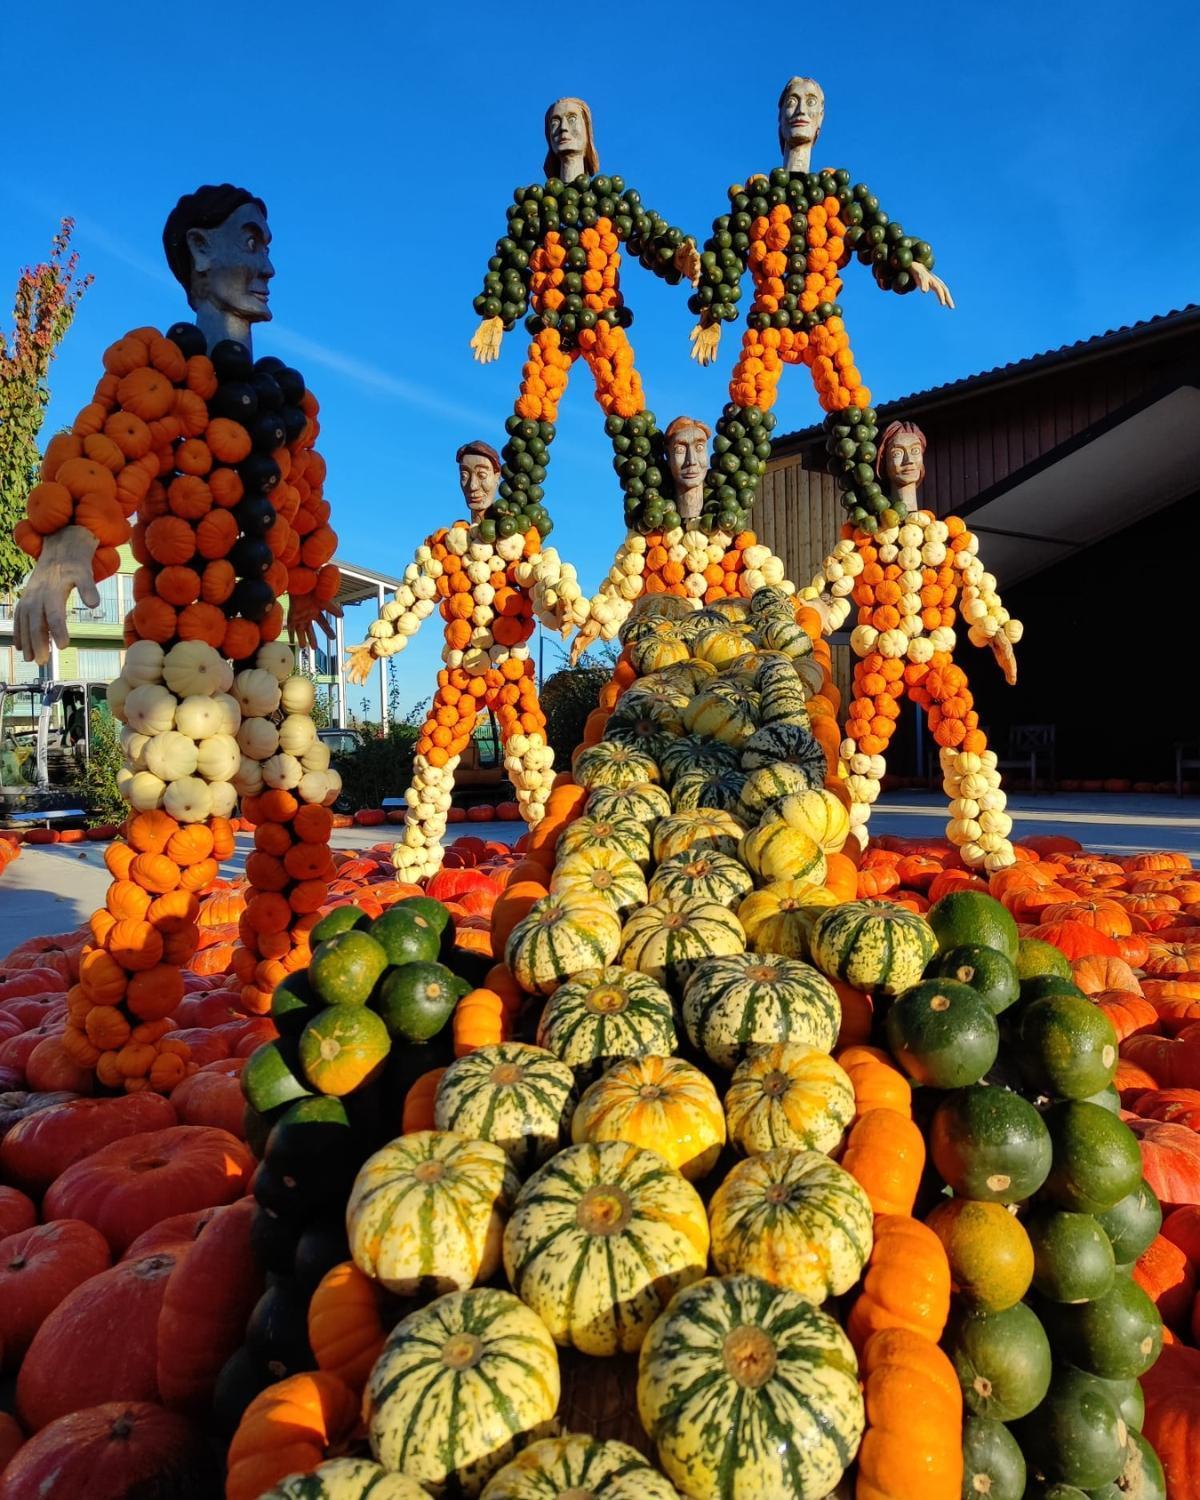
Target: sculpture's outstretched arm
65	564
400	619
506	284
988	622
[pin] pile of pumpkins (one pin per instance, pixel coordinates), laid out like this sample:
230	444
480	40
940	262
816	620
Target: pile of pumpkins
849	1180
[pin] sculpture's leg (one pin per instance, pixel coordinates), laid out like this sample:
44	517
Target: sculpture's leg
878	686
845	400
522	723
443	738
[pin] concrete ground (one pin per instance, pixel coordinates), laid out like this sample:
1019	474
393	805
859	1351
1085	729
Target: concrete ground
54	888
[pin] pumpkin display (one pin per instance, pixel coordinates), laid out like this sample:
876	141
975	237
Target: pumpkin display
872	945
604	874
41	1148
734	1002
460	1385
517	1096
601	1014
287	1429
599	1240
576	1464
794	1218
746	1389
667	939
789	1095
562	934
346	1479
39	1267
989	1252
429	1210
660	1103
346	1329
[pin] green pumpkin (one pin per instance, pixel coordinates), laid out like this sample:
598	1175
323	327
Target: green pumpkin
943	1034
788	742
984	969
345	968
1076	1435
1142	1474
601	1015
578	1465
735	1002
1002	1360
627	835
993	1465
702	788
1097	1160
702	876
746	1390
610	764
1068	1046
643	801
1132	1223
519	1097
990	1144
1116	1336
1073	1259
873	946
459	1387
666	939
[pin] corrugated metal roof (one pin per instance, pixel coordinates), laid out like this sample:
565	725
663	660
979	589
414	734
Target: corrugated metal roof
1088	348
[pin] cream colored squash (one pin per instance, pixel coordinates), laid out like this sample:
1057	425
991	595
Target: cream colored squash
282	772
171	755
316	757
188	800
249	778
315	786
150	709
257	692
298	696
218	758
145	791
258	738
133	745
224	798
231	712
199	716
193	667
118	691
297	734
143	663
277	659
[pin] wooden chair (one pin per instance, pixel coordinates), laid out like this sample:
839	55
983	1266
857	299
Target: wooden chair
1031	746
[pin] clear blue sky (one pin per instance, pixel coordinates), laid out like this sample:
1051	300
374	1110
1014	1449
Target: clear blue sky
1049	153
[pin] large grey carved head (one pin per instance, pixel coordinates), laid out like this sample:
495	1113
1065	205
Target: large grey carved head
217	245
569	133
478	476
801	112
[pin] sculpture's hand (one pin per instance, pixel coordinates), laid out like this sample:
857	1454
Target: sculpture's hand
41	613
359	661
1006	657
706	339
687	261
304	616
588	632
486	340
928	282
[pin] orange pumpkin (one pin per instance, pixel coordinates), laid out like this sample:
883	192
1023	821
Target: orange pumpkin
878	1082
906	1283
912	1444
148	832
346	1326
885	1154
288	1429
155	872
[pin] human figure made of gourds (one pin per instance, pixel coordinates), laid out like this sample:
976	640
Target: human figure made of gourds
795	230
204	462
482	584
907	580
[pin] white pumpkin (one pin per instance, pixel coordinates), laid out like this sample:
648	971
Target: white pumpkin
333	787
297	734
143	663
277	659
145	791
314	785
224	798
188	800
249	779
124	782
116	693
230	711
200	716
150	709
258	738
193	667
171	755
282	771
133	745
218	758
299	695
257	692
316	757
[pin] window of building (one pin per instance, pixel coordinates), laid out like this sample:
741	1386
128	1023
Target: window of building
99	666
108	612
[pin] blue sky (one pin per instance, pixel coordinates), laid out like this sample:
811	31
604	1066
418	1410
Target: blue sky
1050	154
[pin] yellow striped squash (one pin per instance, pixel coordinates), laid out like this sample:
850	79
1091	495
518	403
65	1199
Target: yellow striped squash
643	800
719	644
459	1387
780	917
749	1393
706	828
821	815
563	933
735	1002
653	652
602	1014
661	1103
608	874
796	1219
599	1241
576	1466
766	786
666	939
518	1097
873	946
720	716
785	635
429	1211
626	834
610	764
700	875
347	1479
775	851
788	1094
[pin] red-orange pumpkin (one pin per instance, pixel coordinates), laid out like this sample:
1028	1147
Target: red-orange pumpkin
42	1147
213	1096
1172	1425
1168	1278
1170	1161
1172	1106
179	1232
1130	1014
17	1212
39	1266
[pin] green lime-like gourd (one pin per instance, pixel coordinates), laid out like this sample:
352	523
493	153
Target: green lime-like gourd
417	999
1132	1223
1042	985
406	935
293	1004
1068	1046
433	911
1116	1336
993	1466
1096	1158
345	968
1127	1394
991	1259
942	1034
1002	1360
1073	1259
1076	1435
987	970
1035	957
343	1047
340	919
272	1075
962	917
1141	1477
990	1144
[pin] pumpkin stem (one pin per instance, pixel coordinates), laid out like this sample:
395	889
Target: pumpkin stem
604	1210
749	1356
462	1351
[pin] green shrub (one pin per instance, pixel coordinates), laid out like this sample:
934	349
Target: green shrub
98	788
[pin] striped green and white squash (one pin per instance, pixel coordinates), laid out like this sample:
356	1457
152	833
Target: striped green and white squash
772	602
796	1219
782	634
687	754
653	652
625	834
604	1014
720	643
713	715
460	1386
749	1393
661	1103
667	939
610	764
347	1479
578	1466
811	674
873	946
647	721
721	789
649	608
605	873
643	801
640	734
662	697
687	678
794	743
733	1003
707	828
518	1097
563	933
701	875
428	1211
781	694
599	1241
776	851
788	1094
767	786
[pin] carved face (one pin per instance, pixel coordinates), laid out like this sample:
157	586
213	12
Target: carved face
905	459
479	481
231	266
801	111
687	455
566	128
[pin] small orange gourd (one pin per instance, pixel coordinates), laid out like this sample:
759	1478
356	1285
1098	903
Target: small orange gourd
906	1283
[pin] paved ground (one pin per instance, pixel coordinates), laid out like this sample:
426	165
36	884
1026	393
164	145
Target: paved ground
52	889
